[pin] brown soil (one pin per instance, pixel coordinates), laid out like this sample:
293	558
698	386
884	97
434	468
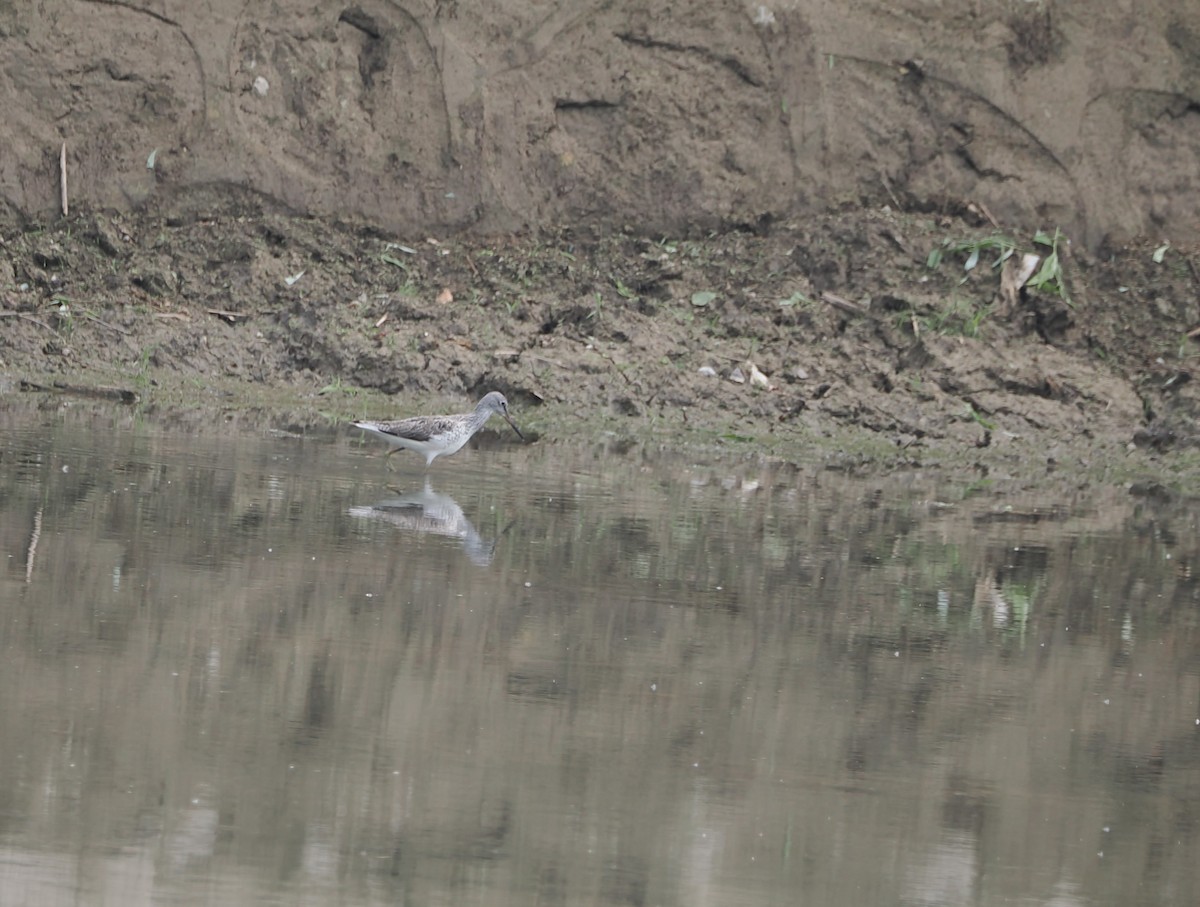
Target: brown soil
864	354
330	199
435	116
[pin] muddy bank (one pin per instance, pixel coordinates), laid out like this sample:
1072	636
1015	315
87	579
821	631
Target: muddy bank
289	210
429	115
840	339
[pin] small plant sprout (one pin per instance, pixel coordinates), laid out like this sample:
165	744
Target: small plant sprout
1051	276
1002	245
974	414
623	291
959	317
145	360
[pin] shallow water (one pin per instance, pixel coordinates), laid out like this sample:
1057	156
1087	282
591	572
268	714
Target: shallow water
238	668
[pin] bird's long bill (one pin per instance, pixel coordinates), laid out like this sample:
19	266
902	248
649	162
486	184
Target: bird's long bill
508	419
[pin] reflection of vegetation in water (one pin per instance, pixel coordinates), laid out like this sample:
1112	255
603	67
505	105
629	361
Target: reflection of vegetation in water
672	643
946	587
1020	597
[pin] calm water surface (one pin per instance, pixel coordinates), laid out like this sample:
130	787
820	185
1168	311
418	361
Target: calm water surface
236	667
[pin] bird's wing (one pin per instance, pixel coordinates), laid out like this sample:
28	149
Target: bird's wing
418	428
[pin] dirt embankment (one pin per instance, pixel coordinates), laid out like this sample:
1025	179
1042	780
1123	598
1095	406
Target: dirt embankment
432	116
725	218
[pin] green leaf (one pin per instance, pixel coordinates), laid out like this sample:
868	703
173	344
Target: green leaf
623	290
701	298
975	414
1048	273
934	259
972	260
393	261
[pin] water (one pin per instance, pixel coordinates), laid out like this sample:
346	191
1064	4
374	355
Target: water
236	668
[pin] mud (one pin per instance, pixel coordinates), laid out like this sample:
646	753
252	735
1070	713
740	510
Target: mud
438	116
695	223
833	341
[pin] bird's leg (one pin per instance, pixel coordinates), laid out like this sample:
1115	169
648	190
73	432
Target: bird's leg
387	458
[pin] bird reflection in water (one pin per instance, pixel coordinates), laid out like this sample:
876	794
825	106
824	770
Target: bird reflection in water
439	514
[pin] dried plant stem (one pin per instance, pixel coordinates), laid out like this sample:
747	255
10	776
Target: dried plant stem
62	176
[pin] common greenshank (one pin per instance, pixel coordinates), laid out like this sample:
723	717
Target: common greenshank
433	436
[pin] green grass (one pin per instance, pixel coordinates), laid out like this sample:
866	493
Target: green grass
622	290
142	378
975	415
1003	246
959	318
1050	277
337	386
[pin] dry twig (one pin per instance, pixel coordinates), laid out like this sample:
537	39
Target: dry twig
62	176
838	302
29	317
103	323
